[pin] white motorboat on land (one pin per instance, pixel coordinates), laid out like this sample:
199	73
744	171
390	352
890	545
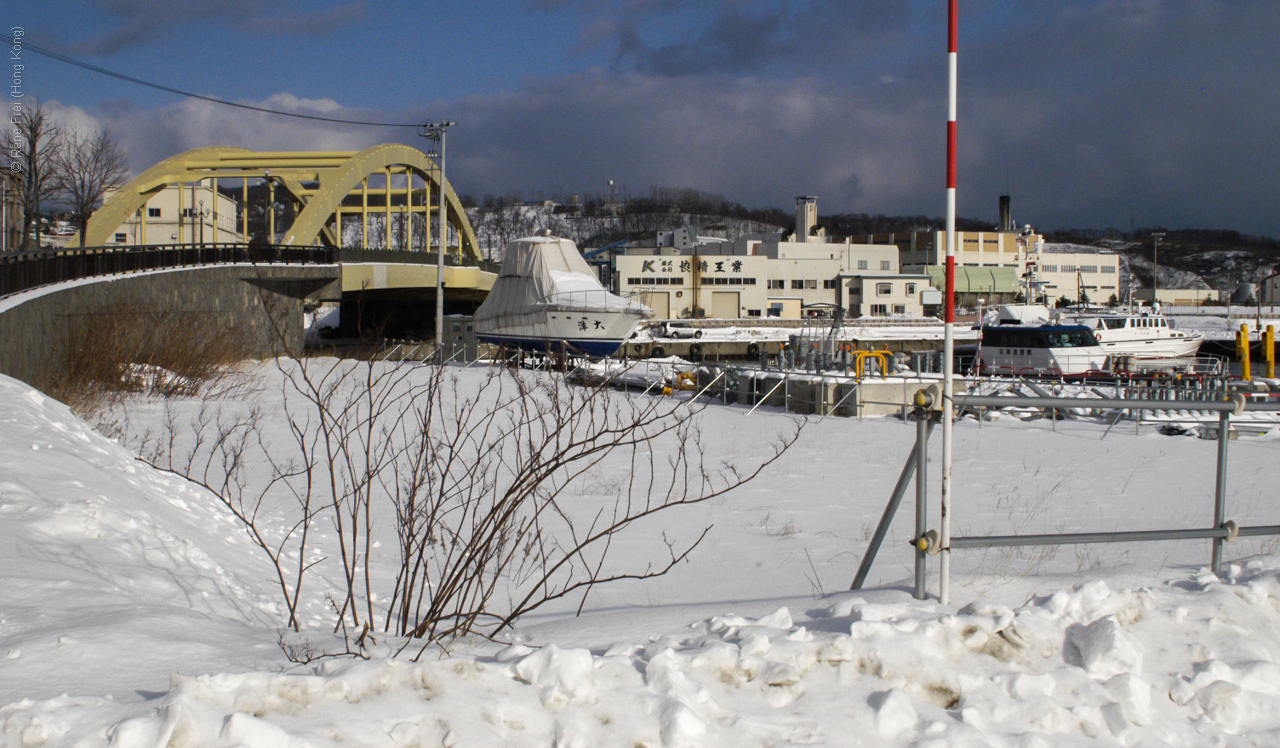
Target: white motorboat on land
1146	337
547	298
1025	342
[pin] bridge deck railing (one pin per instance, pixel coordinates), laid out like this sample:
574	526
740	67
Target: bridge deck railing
357	254
23	271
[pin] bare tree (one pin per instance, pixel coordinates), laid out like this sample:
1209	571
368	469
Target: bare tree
34	140
85	168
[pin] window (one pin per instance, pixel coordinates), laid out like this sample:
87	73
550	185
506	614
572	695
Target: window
811	283
879	310
830	283
753	312
899	308
884	289
797	284
121	238
886	265
188	213
1108	268
153	212
775	283
855	291
1088	268
1049	268
911	289
1068	268
862	264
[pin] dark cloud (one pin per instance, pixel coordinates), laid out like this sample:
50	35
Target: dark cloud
736	37
137	22
316	23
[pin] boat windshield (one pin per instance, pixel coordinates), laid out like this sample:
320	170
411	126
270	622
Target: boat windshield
1038	337
1114	323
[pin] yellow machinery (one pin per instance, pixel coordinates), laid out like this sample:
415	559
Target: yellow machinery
860	359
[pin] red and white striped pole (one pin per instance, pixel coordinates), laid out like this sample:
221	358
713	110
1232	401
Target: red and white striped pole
948	340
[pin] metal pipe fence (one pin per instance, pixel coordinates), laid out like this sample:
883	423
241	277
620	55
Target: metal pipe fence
927	542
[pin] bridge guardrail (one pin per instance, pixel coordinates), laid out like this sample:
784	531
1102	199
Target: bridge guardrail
23	271
353	255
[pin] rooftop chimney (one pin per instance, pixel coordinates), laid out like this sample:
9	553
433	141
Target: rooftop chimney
1006	217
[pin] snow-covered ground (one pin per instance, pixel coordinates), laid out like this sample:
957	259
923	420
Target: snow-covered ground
134	611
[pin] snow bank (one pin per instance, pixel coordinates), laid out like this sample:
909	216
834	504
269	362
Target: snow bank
1065	668
134	613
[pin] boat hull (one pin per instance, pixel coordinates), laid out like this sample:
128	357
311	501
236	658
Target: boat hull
588	333
1153	348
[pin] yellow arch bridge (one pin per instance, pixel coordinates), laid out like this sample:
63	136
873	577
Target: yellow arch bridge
375	211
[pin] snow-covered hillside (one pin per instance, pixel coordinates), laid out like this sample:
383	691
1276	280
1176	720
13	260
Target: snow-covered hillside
134	612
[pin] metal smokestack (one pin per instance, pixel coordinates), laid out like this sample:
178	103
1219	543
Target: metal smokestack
1006	216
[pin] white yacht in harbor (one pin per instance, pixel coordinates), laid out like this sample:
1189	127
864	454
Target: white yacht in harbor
1145	338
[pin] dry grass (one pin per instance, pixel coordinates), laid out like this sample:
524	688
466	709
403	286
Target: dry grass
130	350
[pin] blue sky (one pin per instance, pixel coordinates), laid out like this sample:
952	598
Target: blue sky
1091	112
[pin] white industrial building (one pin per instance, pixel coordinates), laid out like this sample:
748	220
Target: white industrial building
996	265
768	277
182	214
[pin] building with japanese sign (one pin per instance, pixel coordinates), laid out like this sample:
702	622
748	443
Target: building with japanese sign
764	277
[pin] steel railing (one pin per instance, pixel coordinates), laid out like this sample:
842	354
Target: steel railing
928	542
23	271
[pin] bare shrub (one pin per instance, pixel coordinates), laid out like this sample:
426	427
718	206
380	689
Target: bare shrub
127	349
494	489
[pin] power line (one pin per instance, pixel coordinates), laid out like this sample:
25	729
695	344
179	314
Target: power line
159	87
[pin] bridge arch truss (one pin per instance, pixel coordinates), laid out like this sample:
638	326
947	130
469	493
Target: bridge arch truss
329	189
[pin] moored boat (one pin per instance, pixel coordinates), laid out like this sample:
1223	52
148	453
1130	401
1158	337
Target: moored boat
1145	338
1040	350
547	298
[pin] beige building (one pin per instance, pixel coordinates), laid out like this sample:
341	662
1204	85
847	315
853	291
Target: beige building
1079	273
182	214
887	295
1057	271
756	277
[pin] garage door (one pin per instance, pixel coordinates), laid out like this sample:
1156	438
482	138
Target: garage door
659	302
724	304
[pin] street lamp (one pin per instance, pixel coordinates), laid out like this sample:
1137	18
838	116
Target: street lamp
1155	259
436	131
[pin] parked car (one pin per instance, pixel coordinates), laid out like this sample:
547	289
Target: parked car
680	330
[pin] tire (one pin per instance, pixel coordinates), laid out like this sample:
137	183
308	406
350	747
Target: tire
753	350
697	334
657	352
695	350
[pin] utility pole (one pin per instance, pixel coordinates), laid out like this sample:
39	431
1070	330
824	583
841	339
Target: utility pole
435	131
1155	259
